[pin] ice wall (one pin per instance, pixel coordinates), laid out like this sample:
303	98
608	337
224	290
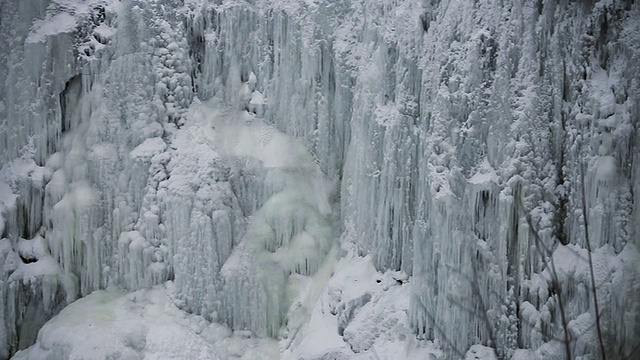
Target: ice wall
304	89
76	109
459	139
34	73
468	127
514	131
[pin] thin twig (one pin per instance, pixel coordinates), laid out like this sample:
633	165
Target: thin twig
593	279
551	265
444	337
476	290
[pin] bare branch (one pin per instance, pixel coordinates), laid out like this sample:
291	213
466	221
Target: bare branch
444	337
554	275
593	279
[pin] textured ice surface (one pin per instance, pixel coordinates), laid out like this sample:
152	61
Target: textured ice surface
226	267
111	324
227	145
360	314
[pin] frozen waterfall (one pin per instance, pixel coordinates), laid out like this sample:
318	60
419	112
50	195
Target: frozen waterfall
320	179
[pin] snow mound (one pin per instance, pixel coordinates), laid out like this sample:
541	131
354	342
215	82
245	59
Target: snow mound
361	314
148	148
144	325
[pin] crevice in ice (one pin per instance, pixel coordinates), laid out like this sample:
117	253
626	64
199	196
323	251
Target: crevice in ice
346	312
70	99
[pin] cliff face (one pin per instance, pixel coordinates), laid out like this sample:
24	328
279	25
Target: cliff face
486	150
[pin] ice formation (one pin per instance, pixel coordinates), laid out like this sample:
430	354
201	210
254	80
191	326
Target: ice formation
357	179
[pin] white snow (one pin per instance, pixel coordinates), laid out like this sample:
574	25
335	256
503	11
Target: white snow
361	314
104	31
148	148
356	179
140	325
486	173
56	24
479	352
288	231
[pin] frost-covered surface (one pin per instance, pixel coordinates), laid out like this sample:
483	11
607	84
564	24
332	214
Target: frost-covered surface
248	150
246	207
360	314
146	324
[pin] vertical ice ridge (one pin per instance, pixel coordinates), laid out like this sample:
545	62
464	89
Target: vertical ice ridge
461	136
36	69
308	99
525	102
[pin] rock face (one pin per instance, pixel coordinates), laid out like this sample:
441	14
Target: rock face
485	151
